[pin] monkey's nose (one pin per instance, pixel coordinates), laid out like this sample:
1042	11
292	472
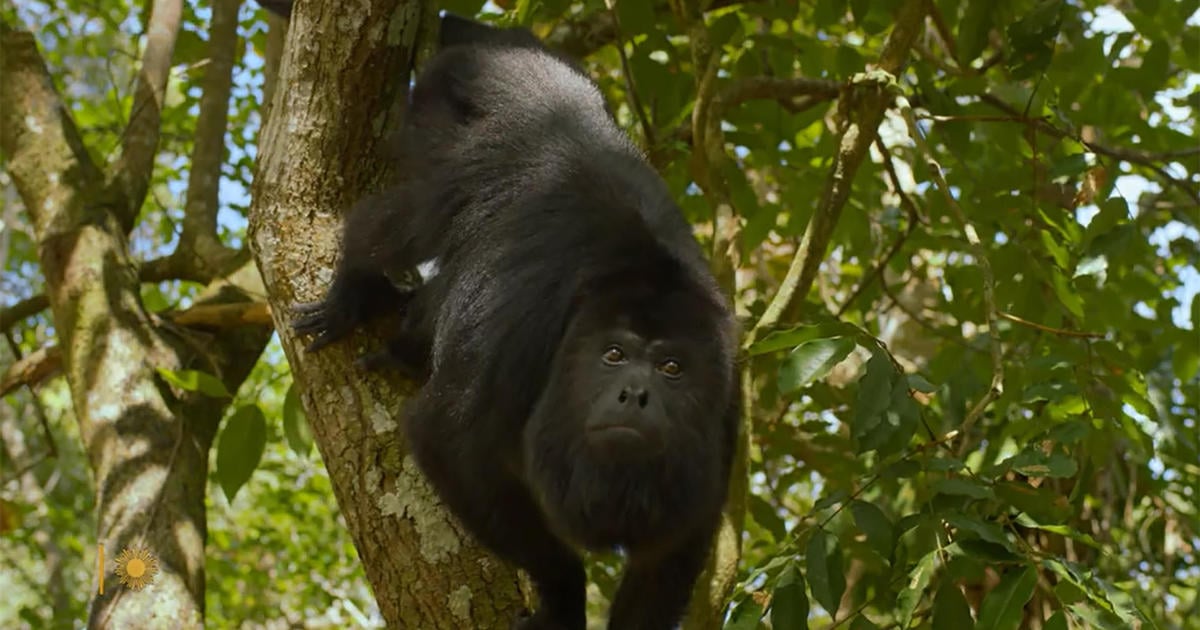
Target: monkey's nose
636	393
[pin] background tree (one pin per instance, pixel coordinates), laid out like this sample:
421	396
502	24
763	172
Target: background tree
962	237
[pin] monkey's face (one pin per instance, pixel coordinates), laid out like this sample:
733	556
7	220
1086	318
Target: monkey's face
635	392
627	436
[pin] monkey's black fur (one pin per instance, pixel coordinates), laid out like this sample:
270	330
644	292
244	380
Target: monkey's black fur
577	356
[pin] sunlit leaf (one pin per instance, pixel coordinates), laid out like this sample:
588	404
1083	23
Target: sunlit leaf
243	438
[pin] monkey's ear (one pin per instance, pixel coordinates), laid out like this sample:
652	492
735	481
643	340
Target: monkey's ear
456	30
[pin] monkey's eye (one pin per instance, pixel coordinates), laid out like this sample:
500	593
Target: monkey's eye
670	368
613	355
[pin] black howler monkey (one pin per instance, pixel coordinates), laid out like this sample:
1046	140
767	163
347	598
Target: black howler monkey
576	354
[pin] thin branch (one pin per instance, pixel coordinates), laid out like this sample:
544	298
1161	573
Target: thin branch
921	321
708	154
635	101
1056	331
782	90
943	30
1149	160
32	369
130	176
46	362
985	266
22	310
860	126
38	408
910	209
580	36
796	95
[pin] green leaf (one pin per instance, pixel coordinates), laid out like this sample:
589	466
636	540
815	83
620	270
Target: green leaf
876	525
1031	39
1096	617
1061	257
745	616
295	423
636	17
990	532
1002	608
1057	621
812	361
966	487
1113	212
950	609
1066	294
861	622
1042	504
918	383
1033	463
243	439
973	30
874	393
1069	166
792	337
196	381
918	581
825	574
789	602
837	497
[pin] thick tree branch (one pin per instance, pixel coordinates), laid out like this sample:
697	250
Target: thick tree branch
321	148
44	153
199	250
129	178
45	362
147	447
869	99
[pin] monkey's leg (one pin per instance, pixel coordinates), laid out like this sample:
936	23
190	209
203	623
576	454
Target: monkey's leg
655	591
472	479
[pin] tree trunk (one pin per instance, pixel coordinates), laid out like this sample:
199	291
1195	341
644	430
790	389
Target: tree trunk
341	89
147	442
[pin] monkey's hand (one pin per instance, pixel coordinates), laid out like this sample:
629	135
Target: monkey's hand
318	319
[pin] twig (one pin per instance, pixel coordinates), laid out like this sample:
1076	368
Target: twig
1148	160
38	408
985	266
1057	331
635	101
910	209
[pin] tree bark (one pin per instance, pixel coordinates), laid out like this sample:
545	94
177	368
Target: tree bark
147	444
341	89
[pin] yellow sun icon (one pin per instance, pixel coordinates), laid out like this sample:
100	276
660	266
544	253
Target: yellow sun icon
136	568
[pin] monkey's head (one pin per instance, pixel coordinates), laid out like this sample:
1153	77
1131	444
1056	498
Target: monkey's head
629	434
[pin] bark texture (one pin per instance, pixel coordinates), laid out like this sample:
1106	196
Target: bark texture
147	443
341	88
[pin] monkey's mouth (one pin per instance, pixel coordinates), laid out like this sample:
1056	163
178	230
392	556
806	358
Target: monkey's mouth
621	438
616	431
